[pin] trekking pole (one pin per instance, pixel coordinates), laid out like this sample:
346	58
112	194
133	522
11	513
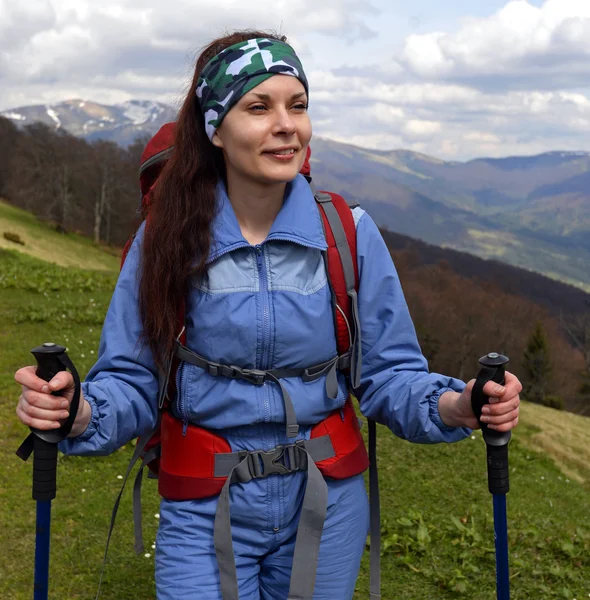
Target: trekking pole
51	359
493	369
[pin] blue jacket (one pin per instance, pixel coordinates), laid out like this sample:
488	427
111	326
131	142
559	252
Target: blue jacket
267	306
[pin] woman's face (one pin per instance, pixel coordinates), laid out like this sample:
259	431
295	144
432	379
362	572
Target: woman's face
264	136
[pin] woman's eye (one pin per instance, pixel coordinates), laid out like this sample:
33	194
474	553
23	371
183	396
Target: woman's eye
258	108
300	107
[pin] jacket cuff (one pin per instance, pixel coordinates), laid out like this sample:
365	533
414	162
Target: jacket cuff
68	446
93	424
434	413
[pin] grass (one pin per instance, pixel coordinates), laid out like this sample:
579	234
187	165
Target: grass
437	514
41	241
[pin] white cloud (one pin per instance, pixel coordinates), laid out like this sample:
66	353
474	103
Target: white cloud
21	20
511	82
418	129
520	45
449	121
67	43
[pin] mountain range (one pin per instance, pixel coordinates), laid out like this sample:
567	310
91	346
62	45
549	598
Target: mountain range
120	123
529	211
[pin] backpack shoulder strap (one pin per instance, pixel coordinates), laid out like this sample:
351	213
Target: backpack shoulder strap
342	269
341	266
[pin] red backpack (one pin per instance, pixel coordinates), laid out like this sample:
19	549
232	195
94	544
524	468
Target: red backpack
165	450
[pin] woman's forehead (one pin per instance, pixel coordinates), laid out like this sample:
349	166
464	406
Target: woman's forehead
277	86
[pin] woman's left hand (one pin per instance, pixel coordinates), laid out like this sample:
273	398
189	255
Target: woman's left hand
502	411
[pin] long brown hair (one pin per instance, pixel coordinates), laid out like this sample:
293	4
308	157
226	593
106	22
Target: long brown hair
177	236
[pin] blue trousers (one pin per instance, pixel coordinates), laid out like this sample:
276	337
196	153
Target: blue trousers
265	514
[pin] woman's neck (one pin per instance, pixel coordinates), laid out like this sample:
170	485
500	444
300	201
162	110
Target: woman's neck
255	206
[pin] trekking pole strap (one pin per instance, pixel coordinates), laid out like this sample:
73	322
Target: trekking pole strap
375	516
139	448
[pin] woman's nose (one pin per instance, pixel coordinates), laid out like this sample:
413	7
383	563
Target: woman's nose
284	122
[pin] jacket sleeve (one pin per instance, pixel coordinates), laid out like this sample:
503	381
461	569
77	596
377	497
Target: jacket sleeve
396	388
122	386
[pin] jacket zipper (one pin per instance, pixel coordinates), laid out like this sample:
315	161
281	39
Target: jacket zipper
272	482
265	346
182	409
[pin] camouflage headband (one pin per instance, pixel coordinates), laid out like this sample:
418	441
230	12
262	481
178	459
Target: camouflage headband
238	69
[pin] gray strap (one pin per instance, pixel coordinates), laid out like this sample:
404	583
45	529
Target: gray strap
312	185
150	455
309	535
307	542
356	362
290	416
320	448
222	539
139	448
341	241
163	380
375	512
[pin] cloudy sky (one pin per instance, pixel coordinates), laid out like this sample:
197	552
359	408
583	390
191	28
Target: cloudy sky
454	79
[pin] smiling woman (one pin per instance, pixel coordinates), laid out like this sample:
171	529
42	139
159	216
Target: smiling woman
263	139
291	304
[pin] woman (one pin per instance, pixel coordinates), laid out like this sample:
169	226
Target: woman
235	230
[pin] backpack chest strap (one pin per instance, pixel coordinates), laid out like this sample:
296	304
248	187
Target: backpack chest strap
328	368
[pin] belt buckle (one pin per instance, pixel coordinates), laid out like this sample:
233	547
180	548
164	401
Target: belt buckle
254	376
269	464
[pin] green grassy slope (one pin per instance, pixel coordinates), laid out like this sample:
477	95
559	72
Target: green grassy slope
41	241
437	530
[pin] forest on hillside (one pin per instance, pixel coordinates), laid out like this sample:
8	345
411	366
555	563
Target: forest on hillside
463	306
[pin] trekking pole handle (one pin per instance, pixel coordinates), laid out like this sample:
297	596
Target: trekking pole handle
51	359
493	368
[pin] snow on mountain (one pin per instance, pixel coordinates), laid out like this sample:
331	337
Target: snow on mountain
14	116
53	115
121	123
140	112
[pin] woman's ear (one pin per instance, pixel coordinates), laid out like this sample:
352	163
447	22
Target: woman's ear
216	139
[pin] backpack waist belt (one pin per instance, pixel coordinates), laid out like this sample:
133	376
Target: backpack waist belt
197	463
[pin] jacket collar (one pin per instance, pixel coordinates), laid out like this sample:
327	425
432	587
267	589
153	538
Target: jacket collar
298	221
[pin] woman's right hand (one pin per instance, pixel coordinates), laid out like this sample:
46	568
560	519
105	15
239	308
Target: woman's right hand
38	408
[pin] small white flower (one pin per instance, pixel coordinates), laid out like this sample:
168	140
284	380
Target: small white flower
119	476
91	351
567	481
90	330
153	546
147	554
157	515
63	316
472	437
67	340
83	489
82	355
542	477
